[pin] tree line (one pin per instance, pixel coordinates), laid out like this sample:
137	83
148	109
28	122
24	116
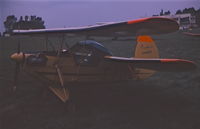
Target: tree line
23	23
192	11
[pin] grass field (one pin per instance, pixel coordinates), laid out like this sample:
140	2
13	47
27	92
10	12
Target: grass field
164	101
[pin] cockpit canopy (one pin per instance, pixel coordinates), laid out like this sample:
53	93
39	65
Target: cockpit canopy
89	52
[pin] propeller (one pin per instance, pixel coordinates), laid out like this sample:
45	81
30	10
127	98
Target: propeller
16	74
17	57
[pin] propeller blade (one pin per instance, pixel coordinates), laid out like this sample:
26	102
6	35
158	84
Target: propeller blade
16	74
18	58
18	47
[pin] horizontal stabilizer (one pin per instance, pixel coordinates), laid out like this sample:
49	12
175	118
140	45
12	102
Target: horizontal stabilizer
192	34
165	65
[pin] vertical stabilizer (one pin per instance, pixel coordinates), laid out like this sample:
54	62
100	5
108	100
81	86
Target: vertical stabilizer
145	48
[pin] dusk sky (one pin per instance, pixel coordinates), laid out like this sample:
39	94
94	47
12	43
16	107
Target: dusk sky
67	13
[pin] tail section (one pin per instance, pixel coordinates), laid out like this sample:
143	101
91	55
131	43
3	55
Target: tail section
145	48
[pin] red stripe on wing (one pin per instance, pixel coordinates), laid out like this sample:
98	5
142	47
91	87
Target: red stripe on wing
176	60
137	21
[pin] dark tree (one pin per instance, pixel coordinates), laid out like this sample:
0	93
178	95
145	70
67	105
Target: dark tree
24	23
179	12
161	12
192	11
21	19
167	13
10	23
198	17
26	18
36	23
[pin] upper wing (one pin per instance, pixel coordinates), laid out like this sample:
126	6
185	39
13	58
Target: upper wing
165	65
152	25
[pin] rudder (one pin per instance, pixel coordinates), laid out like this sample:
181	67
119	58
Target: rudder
145	48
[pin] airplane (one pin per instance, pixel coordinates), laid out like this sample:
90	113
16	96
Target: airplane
90	61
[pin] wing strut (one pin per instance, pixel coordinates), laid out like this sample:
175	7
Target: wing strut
61	92
46	42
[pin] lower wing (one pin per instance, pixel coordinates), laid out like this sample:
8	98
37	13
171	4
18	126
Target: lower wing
163	65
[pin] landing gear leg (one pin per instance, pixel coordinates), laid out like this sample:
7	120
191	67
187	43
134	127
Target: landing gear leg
63	92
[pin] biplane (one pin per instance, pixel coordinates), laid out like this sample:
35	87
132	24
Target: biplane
90	61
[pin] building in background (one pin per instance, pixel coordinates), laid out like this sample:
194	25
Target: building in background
186	21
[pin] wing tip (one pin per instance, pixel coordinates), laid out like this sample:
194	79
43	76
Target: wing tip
158	25
182	65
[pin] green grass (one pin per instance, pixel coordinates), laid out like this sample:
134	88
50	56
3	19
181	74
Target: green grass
164	101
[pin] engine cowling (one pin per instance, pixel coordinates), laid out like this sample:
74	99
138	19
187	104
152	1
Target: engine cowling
36	60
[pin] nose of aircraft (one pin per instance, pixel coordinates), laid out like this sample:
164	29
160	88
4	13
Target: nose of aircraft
18	57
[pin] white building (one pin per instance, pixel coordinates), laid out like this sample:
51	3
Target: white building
185	20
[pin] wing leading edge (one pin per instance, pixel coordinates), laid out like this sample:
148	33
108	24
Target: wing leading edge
152	25
163	65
